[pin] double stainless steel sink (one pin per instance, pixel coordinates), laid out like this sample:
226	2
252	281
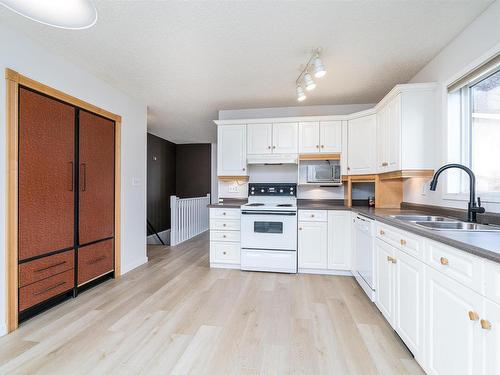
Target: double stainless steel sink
445	223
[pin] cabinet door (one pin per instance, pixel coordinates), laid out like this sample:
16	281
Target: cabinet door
97	178
312	245
453	340
330	136
259	139
231	150
339	240
393	135
362	145
46	171
285	138
384	268
308	137
381	118
491	337
409	312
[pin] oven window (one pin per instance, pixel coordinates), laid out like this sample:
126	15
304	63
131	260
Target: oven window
267	227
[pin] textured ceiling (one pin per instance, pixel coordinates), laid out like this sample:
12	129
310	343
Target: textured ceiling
187	60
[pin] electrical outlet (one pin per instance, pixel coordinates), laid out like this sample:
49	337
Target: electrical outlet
233	188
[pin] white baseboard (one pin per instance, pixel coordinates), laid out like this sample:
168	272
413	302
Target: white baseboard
129	267
325	272
225	265
3	330
164	235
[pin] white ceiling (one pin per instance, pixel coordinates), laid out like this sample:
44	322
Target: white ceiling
187	60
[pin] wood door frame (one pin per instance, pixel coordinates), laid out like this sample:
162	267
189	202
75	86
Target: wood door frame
13	81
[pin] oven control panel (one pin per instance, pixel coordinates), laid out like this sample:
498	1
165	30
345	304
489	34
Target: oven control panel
272	190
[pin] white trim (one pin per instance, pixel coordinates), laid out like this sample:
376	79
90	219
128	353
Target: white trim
3	330
325	272
225	265
164	235
391	94
129	267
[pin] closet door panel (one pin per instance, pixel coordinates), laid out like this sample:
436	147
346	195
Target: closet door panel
95	260
46	165
97	176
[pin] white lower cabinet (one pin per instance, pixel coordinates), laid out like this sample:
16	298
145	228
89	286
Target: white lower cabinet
409	302
453	333
312	244
384	284
490	326
339	240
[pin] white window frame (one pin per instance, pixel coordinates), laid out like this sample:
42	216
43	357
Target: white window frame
465	133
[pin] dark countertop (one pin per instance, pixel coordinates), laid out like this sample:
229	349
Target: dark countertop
229	203
483	244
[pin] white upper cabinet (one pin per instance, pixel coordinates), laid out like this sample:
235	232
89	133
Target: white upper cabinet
259	139
277	138
405	129
320	136
330	136
231	150
361	145
389	136
308	137
285	138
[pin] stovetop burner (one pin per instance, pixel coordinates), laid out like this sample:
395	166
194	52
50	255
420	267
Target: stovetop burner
255	204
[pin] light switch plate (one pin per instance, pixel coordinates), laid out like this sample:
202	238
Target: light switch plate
233	188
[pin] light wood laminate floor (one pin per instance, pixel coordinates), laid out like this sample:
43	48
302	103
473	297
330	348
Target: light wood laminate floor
176	315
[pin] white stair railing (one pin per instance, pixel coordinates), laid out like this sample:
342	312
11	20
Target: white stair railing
188	218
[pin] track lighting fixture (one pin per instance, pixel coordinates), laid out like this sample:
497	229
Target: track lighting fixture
314	64
310	84
319	68
65	14
301	96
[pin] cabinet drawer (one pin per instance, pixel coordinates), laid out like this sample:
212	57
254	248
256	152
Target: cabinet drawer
44	289
313	215
464	268
410	244
224	224
225	236
95	260
224	252
225	213
492	281
42	268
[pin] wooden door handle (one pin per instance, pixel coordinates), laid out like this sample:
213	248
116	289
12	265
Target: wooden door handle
402	242
473	315
72	174
444	261
83	177
485	324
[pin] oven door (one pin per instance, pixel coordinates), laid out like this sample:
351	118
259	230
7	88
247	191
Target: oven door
269	230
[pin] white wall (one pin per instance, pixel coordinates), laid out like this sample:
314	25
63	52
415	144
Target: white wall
22	55
477	42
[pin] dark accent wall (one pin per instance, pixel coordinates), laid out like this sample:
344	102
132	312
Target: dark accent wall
161	181
193	170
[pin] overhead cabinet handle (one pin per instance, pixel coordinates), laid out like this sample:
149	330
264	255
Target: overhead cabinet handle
83	176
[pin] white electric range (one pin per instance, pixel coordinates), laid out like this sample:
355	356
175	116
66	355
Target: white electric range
269	228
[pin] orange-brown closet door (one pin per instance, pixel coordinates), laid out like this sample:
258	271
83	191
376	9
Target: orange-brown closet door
46	157
97	177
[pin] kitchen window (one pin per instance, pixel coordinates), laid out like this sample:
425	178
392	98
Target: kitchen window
474	131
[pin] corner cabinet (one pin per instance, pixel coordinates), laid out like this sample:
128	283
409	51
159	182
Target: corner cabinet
232	150
361	146
405	129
